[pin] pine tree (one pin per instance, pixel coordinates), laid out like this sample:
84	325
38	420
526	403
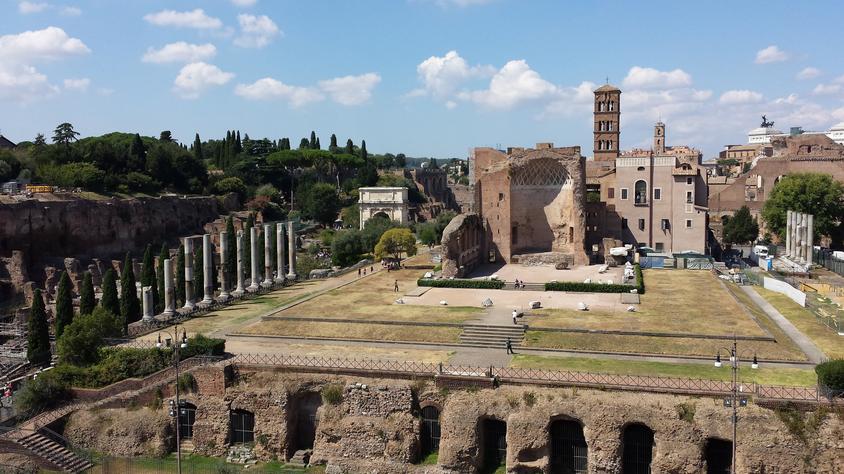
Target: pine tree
197	149
363	153
87	300
130	305
198	273
38	336
350	147
180	276
312	142
318	146
165	254
230	265
333	144
148	278
64	304
109	301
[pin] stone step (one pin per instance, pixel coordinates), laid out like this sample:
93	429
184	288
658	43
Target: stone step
507	327
52	451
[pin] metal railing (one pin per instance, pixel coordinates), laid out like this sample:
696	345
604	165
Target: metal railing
825	259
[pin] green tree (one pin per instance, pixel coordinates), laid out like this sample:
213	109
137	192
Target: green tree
812	193
130	305
317	146
64	134
363	153
346	247
321	203
109	301
312	142
148	278
64	303
394	243
38	332
373	229
137	154
87	300
332	145
230	185
350	147
230	265
351	216
197	149
81	341
165	136
180	275
304	144
163	255
741	227
427	233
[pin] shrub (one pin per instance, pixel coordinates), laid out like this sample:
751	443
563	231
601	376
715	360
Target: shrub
332	394
201	345
686	412
41	393
831	374
478	284
586	287
640	279
187	383
529	398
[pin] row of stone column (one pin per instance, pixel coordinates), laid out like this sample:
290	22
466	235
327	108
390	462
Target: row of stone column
225	286
799	236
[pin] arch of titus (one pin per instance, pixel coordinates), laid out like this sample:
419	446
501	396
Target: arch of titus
390	201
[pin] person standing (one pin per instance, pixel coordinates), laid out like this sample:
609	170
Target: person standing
509	346
396	287
515	315
358	272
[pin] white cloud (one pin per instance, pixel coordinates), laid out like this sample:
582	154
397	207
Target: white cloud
244	3
26	8
513	84
826	89
648	78
189	19
47	44
71	11
839	80
180	52
771	54
808	73
743	96
80	84
194	78
272	89
441	76
351	90
255	31
790	99
21	83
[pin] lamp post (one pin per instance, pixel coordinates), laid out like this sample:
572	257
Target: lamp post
733	401
176	408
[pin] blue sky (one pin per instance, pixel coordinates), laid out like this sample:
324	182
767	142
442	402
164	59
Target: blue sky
423	77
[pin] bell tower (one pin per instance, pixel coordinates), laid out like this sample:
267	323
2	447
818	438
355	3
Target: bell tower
607	122
659	138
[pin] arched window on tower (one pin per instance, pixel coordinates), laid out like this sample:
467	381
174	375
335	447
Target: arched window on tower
612	105
641	192
600	106
610	127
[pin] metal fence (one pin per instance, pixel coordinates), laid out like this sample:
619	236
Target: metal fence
825	259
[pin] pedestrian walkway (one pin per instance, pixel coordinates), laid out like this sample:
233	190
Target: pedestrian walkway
805	344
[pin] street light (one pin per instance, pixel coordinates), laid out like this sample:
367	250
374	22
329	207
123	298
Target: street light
176	407
734	401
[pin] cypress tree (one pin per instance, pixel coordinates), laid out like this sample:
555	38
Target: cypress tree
312	142
318	146
197	148
87	300
64	304
285	144
180	276
165	254
333	144
363	153
304	144
198	273
110	302
38	336
137	154
148	277
350	147
230	265
238	145
130	305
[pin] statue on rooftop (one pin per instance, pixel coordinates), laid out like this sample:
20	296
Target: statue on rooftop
766	123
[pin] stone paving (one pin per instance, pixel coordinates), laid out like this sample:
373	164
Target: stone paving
546	273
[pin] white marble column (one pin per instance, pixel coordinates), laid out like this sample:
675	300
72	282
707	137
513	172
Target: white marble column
291	250
146	293
795	234
224	278
189	301
810	236
788	233
169	291
279	254
802	249
239	245
268	256
208	269
253	244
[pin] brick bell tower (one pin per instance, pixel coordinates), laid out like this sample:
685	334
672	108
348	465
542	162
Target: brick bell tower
607	118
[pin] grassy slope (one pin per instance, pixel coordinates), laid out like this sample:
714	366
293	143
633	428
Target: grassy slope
828	340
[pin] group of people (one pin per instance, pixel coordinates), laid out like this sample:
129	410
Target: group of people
371	270
518	284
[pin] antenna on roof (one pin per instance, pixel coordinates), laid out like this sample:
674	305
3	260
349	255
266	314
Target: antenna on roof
608	80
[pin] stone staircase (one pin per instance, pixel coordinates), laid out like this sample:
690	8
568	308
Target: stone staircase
187	446
54	452
300	458
490	336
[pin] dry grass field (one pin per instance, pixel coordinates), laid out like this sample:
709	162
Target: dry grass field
825	338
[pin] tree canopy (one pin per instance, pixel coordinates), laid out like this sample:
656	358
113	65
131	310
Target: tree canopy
394	243
741	228
812	193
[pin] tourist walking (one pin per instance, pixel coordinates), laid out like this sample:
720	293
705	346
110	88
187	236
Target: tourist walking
515	315
396	287
509	346
358	272
371	269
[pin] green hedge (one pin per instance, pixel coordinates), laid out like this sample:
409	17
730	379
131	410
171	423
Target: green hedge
597	287
831	374
479	284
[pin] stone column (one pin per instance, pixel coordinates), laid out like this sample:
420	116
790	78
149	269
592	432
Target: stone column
279	254
801	249
208	270
788	233
146	299
268	255
224	278
253	241
795	234
169	291
810	239
239	246
291	250
189	301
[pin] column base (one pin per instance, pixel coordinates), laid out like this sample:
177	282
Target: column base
267	283
291	276
147	319
224	296
168	313
279	279
237	293
189	305
207	300
252	288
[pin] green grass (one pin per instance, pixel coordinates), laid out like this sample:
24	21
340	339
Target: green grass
825	338
193	464
431	459
767	376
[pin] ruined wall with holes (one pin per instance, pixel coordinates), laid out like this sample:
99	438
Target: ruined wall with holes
375	425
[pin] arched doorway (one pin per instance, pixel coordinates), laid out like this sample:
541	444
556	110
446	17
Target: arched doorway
719	456
242	426
637	449
303	421
569	452
430	435
187	415
493	444
381	214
